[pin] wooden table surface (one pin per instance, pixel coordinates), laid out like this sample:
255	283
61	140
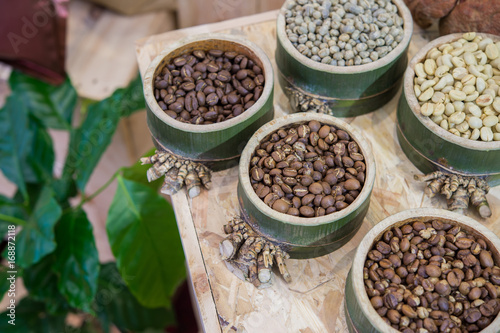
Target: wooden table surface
313	301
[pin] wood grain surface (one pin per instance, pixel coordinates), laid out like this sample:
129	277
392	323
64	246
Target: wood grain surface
313	302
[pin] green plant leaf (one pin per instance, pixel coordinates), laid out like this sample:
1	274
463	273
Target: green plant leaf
114	303
41	281
40	160
137	173
26	150
89	142
31	317
77	260
144	239
36	239
64	189
52	105
131	98
15	140
10	208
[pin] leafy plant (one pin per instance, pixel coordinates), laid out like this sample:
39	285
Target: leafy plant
54	249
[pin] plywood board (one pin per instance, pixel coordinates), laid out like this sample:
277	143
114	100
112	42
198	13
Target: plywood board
313	302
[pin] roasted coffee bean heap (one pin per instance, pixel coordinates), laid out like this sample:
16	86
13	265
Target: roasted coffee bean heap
208	87
308	170
433	277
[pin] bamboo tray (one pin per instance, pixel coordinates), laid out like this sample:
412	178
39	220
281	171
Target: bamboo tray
313	302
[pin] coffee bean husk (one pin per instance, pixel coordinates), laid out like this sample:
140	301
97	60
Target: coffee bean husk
433	277
308	170
207	87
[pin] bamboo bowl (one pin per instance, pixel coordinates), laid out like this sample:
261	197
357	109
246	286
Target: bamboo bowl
348	91
360	314
430	147
304	237
217	144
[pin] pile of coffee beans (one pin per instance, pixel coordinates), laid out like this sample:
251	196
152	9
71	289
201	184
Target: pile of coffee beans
308	170
208	87
433	277
457	86
343	32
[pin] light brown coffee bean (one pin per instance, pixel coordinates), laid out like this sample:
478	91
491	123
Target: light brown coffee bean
281	206
352	184
306	211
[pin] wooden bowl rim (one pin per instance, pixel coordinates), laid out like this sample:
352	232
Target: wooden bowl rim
415	106
148	80
244	173
356	69
375	232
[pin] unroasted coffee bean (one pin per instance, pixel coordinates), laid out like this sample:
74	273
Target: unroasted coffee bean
434	277
300	161
210	86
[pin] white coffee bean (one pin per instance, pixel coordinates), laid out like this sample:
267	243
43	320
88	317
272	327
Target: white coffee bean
470	47
480	85
419	70
472	97
457	118
427	109
468	79
449	109
466	135
490	121
430	66
441	71
447	60
417	91
437	119
438	109
484	100
444	124
427	84
475	122
463	126
458	62
470	59
475	134
474	110
426	95
457	95
438	97
485	42
486	134
469	36
459	106
469	89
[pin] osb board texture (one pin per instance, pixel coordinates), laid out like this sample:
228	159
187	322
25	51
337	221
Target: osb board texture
313	302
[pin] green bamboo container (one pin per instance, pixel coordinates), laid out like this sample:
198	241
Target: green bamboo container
219	144
430	147
348	91
360	314
304	237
